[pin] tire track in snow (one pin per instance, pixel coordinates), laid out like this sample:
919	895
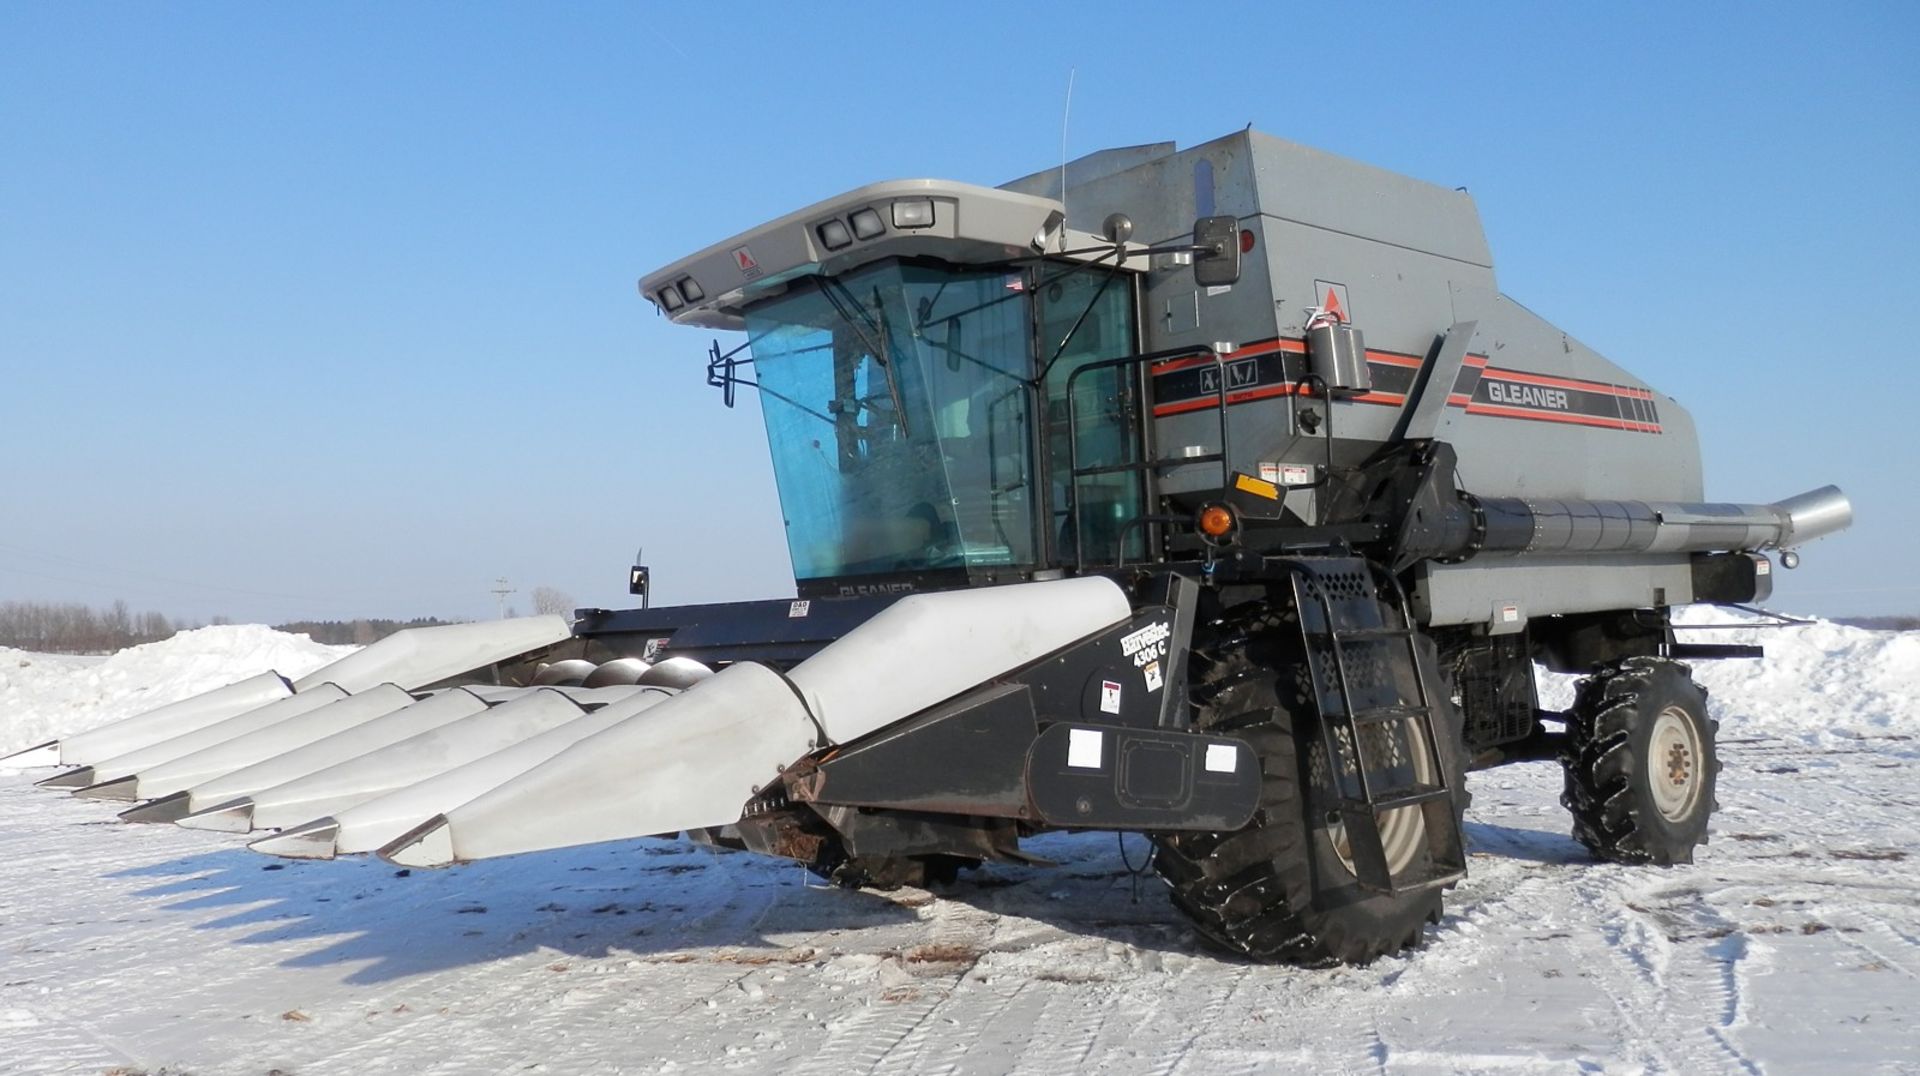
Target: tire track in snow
1694	982
861	1043
1209	1017
34	1041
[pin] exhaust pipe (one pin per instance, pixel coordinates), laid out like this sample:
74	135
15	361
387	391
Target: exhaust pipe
695	761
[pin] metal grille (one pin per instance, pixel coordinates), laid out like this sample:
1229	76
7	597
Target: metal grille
1495	683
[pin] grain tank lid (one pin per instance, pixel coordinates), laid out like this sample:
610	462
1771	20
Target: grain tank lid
955	222
1325	190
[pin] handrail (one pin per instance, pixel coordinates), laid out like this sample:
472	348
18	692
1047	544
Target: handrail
1075	472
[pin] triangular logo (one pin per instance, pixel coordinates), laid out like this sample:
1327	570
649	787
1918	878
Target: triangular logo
1331	304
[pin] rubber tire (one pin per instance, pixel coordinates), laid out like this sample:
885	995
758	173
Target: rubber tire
1275	890
1609	732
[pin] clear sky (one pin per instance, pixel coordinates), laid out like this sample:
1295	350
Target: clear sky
329	310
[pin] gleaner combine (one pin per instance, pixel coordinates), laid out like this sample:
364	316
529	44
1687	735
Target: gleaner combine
1104	514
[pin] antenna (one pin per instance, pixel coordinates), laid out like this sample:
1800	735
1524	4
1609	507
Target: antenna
1066	112
501	589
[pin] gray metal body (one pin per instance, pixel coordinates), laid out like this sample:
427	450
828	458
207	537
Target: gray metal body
1603	466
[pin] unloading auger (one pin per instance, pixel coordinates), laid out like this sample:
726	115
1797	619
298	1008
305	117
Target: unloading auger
1088	532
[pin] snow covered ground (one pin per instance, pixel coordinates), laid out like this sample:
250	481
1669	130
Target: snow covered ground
1794	945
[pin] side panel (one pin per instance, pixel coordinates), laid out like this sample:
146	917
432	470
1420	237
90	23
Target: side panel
1533	413
1503	593
1541	421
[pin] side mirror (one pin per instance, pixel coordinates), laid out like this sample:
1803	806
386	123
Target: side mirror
1216	257
639	582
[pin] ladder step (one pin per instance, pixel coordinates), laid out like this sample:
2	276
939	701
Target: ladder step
1382	714
1346	634
1408	797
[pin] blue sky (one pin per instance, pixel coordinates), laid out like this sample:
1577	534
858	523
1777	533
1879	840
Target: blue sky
329	310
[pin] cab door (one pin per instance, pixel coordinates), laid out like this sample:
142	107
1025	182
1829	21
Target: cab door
1093	419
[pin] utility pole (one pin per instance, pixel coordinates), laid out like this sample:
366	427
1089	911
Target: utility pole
500	590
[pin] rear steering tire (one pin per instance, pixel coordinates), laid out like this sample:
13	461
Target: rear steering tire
1641	763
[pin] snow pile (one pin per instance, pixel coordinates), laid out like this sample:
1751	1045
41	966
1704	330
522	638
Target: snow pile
1819	681
44	696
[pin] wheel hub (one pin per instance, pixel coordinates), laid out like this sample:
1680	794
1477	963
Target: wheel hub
1673	764
1403	831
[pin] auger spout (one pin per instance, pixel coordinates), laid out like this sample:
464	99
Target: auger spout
695	761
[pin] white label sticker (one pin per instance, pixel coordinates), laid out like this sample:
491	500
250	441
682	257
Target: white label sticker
1084	748
1218	289
1149	644
1296	474
652	651
1763	566
1270	472
1153	676
1509	613
798	609
1109	697
1222	758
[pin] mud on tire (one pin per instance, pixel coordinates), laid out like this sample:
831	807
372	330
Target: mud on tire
1641	763
1276	889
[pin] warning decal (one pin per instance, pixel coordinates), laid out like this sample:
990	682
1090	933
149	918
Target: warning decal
743	260
1332	298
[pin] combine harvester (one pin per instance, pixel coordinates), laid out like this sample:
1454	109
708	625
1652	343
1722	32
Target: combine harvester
1103	515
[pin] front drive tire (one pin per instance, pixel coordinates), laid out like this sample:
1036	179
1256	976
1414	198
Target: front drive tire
1641	763
1278	889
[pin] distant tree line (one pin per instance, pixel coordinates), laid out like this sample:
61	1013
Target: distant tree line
356	632
73	628
1882	623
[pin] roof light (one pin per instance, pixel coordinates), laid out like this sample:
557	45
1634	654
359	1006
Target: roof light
867	224
670	299
833	234
691	291
913	213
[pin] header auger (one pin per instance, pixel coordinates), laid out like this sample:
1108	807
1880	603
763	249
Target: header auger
1219	496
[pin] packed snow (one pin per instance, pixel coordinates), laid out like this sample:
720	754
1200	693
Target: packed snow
43	696
1793	945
